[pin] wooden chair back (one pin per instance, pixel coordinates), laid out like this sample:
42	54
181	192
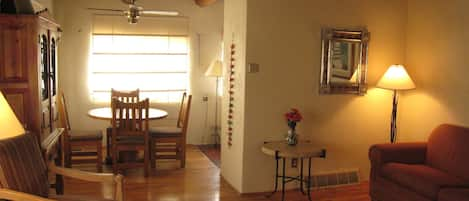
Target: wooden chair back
64	120
126	96
184	109
129	119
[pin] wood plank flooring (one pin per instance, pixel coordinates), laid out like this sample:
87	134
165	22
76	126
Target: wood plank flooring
199	181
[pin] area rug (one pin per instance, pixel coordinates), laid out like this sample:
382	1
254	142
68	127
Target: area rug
212	152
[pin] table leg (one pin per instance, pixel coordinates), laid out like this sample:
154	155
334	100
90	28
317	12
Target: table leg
309	179
283	180
301	177
276	175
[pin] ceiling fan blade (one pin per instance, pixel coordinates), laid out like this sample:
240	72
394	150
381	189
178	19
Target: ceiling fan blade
106	9
159	12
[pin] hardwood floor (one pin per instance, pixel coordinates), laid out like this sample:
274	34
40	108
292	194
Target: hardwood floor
212	152
199	181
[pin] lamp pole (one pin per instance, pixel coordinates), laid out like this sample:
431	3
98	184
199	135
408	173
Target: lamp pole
216	114
394	117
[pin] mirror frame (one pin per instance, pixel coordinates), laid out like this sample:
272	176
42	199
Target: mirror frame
352	35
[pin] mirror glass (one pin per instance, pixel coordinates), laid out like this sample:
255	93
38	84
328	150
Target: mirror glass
344	59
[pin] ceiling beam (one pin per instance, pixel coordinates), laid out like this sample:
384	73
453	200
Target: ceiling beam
203	3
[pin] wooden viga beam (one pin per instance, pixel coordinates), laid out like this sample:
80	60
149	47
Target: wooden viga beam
205	2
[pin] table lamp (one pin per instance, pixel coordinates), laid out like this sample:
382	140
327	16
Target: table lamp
10	126
396	79
215	70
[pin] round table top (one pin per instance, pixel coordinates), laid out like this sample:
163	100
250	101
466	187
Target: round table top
301	150
105	113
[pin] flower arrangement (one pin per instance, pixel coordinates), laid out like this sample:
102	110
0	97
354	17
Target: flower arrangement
293	117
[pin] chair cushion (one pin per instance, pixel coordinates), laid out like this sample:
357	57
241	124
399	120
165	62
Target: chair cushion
454	194
421	179
79	135
22	167
165	131
447	150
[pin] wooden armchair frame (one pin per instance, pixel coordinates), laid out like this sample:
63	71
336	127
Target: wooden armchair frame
116	180
51	152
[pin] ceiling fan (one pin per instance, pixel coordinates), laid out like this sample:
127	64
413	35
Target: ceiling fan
134	11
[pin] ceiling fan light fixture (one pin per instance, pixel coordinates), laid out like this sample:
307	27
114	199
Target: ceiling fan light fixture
133	14
132	20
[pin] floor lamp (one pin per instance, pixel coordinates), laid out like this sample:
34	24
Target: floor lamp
215	70
10	126
396	79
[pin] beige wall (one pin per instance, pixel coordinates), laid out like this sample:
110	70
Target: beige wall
437	58
284	38
234	33
205	24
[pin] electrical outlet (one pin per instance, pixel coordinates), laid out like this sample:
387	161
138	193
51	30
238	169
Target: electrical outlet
294	162
253	68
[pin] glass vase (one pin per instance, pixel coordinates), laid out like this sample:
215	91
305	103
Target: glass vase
292	137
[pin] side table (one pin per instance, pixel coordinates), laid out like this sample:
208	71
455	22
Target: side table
303	150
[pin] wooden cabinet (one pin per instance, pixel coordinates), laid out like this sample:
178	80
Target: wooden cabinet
28	70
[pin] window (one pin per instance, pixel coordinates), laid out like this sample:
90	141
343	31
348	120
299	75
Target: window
156	64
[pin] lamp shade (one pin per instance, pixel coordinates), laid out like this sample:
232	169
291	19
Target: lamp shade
215	69
10	126
396	78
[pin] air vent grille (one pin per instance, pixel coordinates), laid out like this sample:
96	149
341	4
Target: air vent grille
335	178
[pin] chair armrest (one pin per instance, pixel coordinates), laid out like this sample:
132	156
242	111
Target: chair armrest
116	180
20	196
409	153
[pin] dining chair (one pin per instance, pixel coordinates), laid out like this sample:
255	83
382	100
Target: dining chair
132	96
130	134
169	142
24	173
126	96
77	143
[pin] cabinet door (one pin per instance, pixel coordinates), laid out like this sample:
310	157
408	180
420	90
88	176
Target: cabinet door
18	100
14	52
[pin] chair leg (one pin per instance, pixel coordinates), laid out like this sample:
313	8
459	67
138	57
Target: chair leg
68	156
182	155
146	160
108	145
152	153
114	160
99	152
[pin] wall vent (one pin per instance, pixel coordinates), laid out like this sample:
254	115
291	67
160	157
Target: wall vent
335	178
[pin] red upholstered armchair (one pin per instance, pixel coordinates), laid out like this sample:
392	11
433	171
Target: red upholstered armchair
436	170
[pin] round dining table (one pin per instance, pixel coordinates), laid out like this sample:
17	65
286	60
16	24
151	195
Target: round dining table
105	113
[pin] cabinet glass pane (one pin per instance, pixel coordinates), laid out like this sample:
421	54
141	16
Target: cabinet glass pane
44	76
53	67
